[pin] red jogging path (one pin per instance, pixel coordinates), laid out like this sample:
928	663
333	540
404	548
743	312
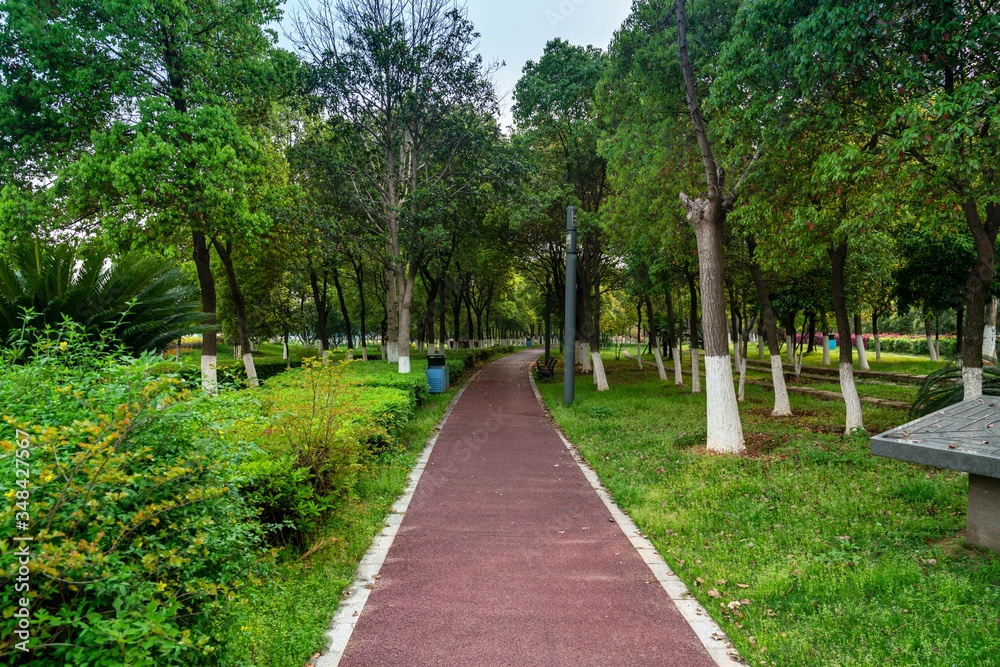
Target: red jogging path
507	555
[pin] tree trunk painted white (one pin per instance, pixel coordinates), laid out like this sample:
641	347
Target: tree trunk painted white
678	369
659	363
760	347
600	378
743	380
878	350
209	374
392	350
251	369
638	351
859	342
583	356
788	349
724	428
850	393
990	341
364	353
696	372
326	356
972	380
782	408
826	350
284	351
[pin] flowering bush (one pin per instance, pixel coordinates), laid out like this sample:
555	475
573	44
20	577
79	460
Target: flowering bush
140	540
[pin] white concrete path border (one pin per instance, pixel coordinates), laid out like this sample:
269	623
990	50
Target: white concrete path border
357	593
708	631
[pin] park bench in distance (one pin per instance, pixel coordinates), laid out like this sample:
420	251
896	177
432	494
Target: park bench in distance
963	437
546	369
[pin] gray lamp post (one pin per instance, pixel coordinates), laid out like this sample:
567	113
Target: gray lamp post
569	331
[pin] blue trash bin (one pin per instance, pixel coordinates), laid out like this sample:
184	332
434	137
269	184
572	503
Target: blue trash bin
437	373
833	344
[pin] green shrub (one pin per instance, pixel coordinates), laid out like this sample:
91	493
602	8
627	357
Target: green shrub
310	446
141	541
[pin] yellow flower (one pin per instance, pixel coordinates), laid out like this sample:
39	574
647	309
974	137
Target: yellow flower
63	344
162	586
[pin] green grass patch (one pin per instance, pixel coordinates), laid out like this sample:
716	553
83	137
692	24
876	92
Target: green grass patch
842	558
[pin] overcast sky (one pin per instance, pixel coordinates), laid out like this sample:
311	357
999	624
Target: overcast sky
515	31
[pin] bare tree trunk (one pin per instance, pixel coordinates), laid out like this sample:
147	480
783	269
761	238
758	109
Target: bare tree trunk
209	344
407	277
838	260
321	299
674	339
990	330
931	347
984	237
693	345
878	344
859	342
224	251
392	317
348	331
782	407
654	339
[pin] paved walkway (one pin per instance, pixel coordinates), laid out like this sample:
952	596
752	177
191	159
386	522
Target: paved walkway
507	555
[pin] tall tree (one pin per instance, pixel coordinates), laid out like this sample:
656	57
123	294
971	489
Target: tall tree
403	79
555	110
138	100
725	431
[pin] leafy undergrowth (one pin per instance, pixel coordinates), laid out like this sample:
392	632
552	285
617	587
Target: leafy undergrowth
285	622
845	558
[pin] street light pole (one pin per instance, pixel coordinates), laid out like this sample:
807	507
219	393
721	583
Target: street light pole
569	331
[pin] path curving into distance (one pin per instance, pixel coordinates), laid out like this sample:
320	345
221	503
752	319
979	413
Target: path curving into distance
507	555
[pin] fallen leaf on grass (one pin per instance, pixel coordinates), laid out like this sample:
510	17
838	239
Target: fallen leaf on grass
743	585
714	594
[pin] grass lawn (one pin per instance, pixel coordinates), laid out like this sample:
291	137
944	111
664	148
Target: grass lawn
284	624
838	557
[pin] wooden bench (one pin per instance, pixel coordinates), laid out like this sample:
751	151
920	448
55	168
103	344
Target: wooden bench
546	369
963	437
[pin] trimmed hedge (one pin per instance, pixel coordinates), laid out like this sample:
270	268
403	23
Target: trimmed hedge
915	345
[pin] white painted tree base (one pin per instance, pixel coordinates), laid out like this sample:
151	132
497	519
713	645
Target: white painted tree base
862	353
209	374
725	431
849	391
659	364
782	408
972	380
696	371
600	378
990	341
826	350
251	370
364	354
583	357
404	364
743	380
284	351
678	368
932	349
392	352
788	349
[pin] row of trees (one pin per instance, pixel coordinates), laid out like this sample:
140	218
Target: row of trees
764	165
